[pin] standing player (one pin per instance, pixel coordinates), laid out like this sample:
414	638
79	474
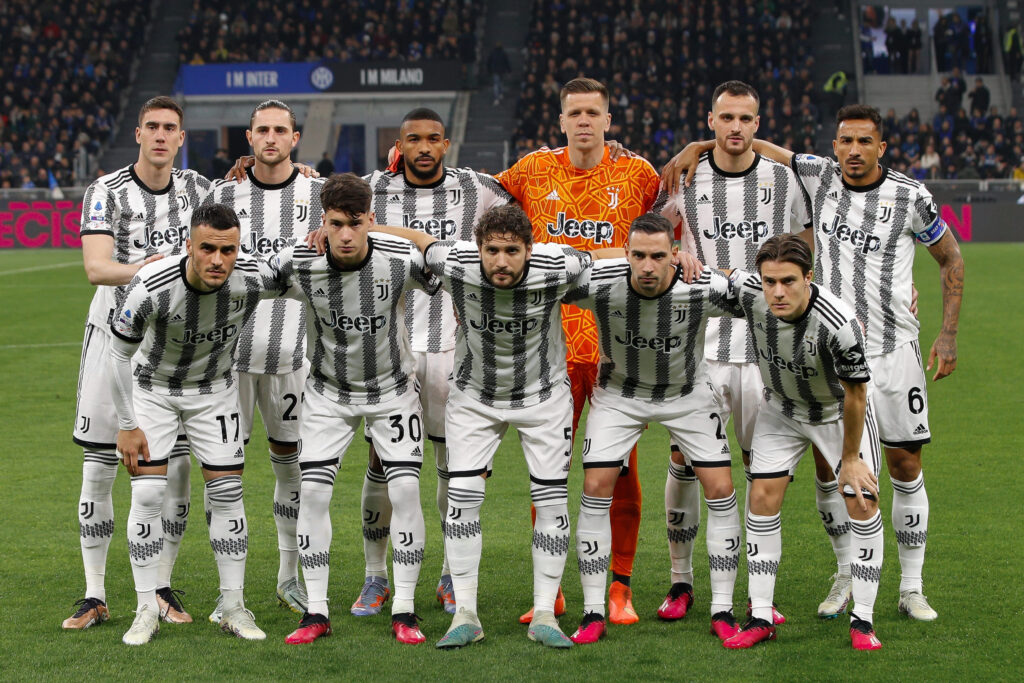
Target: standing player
422	194
509	371
651	334
183	317
577	196
130	217
360	367
737	200
275	205
811	356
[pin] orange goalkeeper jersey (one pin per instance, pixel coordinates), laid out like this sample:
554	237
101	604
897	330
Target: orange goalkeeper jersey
585	210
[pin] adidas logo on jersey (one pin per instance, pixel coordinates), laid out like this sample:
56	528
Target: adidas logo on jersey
243	214
394	199
703	199
472	296
319	292
617	314
177	318
833	195
921	429
553	196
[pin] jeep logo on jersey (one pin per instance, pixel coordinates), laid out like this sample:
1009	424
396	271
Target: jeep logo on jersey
788	365
218	336
254	245
520	326
754	231
157	238
442	229
638	341
598	231
858	239
359	323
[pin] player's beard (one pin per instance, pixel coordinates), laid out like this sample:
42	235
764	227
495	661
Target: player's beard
281	158
420	174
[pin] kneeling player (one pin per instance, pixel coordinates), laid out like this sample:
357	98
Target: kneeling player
360	367
651	334
811	357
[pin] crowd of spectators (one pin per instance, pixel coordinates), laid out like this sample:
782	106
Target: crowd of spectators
957	43
63	68
661	61
982	144
333	30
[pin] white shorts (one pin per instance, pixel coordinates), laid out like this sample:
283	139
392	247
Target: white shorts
211	423
95	414
432	372
545	433
326	430
739	389
900	393
279	398
780	442
694	423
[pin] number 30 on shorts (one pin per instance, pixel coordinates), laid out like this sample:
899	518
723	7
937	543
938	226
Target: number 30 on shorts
403	424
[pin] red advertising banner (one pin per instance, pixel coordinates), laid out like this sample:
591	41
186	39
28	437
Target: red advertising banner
40	223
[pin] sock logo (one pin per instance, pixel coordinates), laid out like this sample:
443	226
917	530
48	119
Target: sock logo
676	518
912	520
733	544
237	525
295	497
183	509
827	518
370	517
562	522
144	530
752	549
405	538
866	554
303	541
88	509
590	547
454	513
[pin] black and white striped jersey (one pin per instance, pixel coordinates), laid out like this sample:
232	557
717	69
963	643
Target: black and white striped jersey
725	219
142	221
802	361
272	217
358	347
510	348
864	244
187	336
449	210
652	348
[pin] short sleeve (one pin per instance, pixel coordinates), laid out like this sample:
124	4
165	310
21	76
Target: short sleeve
419	276
720	297
492	194
99	211
514	179
925	220
849	359
811	171
800	207
129	322
576	263
580	292
436	256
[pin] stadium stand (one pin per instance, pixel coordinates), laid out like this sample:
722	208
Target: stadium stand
310	30
661	67
64	67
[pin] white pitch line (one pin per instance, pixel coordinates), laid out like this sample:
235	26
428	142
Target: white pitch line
35	268
8	347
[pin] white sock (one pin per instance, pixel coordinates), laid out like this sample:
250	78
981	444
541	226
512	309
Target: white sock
682	516
764	552
441	460
866	566
723	539
550	549
96	518
376	511
287	483
836	520
407	535
594	550
910	522
229	534
174	515
746	492
463	539
314	533
145	534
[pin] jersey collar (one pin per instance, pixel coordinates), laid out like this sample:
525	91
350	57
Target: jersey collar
276	186
866	188
732	174
147	188
349	269
629	283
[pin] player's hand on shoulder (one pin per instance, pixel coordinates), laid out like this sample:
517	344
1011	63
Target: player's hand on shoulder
131	444
689	264
684	162
238	171
858	476
616	150
317	239
306	170
150	259
943	350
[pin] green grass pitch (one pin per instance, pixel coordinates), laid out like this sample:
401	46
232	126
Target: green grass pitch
972	574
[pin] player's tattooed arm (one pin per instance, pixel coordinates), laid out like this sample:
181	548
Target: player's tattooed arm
854	472
686	161
951	272
238	171
101	269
